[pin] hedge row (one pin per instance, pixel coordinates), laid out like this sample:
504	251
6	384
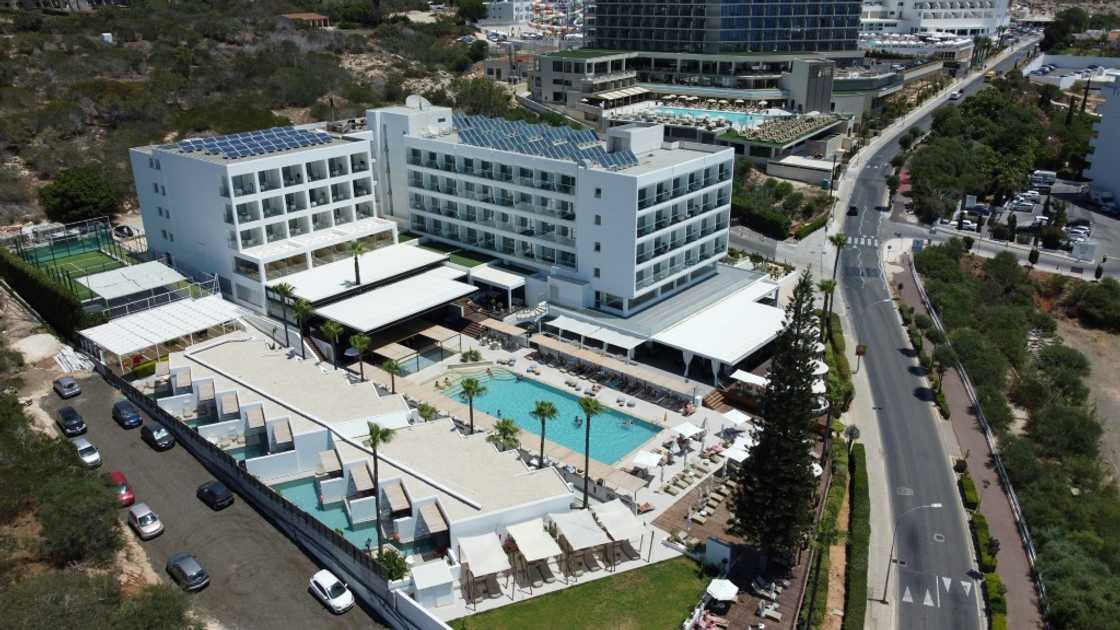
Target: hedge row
766	221
996	594
982	539
999	622
828	532
57	305
859	540
812	226
968	491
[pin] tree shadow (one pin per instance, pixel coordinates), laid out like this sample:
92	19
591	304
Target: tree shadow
908	352
918	370
924	394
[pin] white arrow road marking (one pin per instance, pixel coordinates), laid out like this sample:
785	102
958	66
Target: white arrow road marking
967	586
948	582
928	601
907	597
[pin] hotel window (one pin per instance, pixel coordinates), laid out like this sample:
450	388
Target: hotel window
598	193
598	219
596	272
598	246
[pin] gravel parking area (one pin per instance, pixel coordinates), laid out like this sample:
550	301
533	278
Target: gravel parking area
258	577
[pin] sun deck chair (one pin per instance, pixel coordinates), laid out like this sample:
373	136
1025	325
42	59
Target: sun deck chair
533	576
590	561
575	565
493	590
672	490
545	571
773	614
629	551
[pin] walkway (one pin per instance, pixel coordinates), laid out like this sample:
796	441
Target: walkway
1011	563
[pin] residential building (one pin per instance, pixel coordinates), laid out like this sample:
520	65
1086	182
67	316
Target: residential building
729	27
507	12
1105	154
615	226
509	68
256	206
972	18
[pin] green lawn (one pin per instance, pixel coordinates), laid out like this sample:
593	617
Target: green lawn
657	596
84	264
458	256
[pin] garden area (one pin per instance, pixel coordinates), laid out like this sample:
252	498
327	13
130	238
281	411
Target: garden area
777	209
1032	389
658	596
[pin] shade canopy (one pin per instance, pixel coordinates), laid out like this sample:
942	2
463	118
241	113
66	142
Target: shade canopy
484	554
533	541
433	518
497	277
736	455
139	331
687	429
618	520
130	280
736	417
750	378
598	333
730	330
392	303
579	528
723	590
819	387
647	460
820	368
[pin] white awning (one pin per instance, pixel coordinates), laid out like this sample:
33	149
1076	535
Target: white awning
125	281
617	339
723	590
745	442
579	528
729	330
484	554
750	378
737	417
533	541
647	460
573	326
687	429
591	331
431	575
737	455
392	303
496	276
140	331
379	265
618	520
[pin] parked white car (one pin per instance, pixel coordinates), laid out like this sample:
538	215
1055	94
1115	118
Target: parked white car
331	591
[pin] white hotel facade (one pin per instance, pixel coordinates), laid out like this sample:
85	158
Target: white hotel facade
633	221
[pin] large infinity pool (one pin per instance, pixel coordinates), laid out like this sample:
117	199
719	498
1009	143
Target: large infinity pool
613	433
738	119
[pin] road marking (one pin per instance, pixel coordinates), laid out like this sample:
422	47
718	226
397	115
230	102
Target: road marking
907	597
967	586
948	582
928	601
905	491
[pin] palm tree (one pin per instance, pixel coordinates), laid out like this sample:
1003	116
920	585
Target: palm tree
591	408
543	411
839	241
285	291
471	388
356	249
394	370
361	344
302	311
378	436
504	435
827	287
333	330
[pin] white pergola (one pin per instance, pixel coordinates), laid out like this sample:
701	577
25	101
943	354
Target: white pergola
606	336
496	277
533	543
622	526
579	531
483	556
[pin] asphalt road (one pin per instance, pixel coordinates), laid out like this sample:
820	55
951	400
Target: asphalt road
930	583
258	576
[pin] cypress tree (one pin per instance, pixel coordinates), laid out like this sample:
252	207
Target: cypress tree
772	507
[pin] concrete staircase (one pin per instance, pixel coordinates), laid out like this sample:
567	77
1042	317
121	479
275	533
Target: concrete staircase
716	401
473	329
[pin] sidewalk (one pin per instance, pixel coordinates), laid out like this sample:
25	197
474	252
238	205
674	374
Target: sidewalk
1012	564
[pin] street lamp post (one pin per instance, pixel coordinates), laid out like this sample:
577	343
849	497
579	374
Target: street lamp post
894	537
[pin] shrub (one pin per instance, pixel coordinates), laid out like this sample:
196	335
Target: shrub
923	321
143	370
982	540
915	338
995	592
942	405
80	193
764	220
999	622
859	539
79	518
969	495
812	226
60	308
391	565
959	466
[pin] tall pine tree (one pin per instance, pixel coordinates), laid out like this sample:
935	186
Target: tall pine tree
772	507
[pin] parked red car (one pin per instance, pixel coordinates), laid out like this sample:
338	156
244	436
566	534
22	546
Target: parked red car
119	483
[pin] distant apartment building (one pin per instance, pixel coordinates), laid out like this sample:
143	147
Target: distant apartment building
252	207
507	12
728	27
1105	155
967	17
615	226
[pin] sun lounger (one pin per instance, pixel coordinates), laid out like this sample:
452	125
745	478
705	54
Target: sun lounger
681	483
575	565
493	590
772	614
545	572
590	561
629	551
699	519
534	575
672	490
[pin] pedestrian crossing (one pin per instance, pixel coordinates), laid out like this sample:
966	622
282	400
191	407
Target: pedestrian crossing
863	241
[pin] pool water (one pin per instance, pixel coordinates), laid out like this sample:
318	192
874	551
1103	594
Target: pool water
425	359
611	436
242	453
739	119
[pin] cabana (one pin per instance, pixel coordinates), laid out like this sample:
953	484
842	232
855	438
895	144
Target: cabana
534	548
687	430
623	527
432	583
483	559
580	535
646	460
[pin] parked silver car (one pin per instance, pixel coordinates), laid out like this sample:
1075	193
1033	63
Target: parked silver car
87	452
144	521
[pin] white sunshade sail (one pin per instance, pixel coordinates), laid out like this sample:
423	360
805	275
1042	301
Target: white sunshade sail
484	554
131	280
745	442
533	541
687	429
573	326
737	417
723	590
647	460
750	378
579	528
139	331
736	455
618	520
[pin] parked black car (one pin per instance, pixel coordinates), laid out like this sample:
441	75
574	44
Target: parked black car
126	414
215	495
853	211
66	387
157	437
187	572
70	421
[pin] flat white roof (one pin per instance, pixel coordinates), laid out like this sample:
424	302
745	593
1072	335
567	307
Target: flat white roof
130	280
497	277
431	575
804	162
592	331
392	303
729	330
327	280
143	330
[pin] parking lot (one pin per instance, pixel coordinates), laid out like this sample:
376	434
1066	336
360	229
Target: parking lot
258	576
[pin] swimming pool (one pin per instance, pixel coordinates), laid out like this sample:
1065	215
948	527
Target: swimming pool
738	119
611	436
241	453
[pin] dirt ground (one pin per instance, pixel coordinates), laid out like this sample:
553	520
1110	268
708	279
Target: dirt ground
1102	348
837	563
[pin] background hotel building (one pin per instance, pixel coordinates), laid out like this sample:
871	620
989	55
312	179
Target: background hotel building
615	226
